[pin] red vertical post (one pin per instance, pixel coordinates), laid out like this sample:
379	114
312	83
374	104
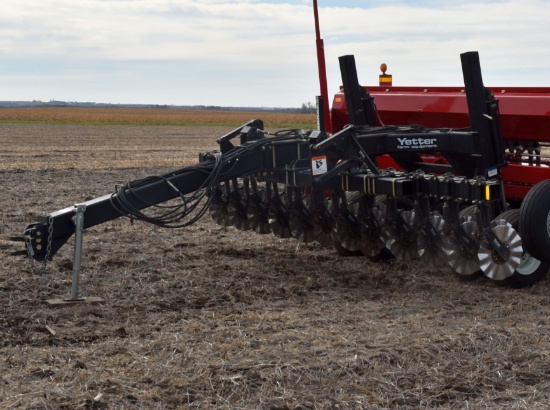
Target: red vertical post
322	69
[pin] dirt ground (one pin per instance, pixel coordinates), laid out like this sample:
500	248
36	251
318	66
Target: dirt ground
212	317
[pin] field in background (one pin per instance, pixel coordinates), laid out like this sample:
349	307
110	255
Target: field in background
38	147
150	116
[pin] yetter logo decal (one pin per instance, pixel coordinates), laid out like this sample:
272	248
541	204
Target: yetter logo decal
416	143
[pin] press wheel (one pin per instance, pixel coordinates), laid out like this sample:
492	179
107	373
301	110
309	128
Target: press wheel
461	261
325	227
430	249
236	212
278	217
372	242
340	250
218	210
530	270
492	264
257	212
301	224
325	239
403	244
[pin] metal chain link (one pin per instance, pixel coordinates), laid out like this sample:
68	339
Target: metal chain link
41	272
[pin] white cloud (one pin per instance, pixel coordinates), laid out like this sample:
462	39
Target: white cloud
422	44
254	52
166	30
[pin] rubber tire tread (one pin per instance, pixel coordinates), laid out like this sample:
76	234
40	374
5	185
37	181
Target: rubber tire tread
533	215
517	280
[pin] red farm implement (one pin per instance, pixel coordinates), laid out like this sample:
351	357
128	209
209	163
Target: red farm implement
456	177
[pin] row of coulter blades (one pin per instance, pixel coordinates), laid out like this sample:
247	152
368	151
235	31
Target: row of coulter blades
377	226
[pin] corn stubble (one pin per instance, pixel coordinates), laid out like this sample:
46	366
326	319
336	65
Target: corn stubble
214	318
149	116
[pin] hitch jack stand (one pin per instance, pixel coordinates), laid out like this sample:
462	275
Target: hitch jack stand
78	220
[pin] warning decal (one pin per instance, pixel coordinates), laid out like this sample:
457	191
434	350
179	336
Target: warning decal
318	165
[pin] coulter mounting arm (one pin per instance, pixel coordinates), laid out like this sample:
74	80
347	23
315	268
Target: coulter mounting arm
192	184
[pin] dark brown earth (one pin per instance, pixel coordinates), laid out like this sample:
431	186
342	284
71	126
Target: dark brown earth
212	317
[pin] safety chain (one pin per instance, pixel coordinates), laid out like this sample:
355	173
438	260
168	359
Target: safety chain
42	271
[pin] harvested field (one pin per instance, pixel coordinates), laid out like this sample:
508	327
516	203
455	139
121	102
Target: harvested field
149	116
211	317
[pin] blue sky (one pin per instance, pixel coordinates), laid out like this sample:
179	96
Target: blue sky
257	52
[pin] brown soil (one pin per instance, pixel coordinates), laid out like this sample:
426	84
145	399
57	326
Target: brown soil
212	317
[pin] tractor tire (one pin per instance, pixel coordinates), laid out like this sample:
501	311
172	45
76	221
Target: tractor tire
534	220
531	269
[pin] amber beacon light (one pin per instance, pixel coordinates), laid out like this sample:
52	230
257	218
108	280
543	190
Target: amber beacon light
384	79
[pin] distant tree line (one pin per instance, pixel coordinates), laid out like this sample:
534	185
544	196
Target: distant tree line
308	108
